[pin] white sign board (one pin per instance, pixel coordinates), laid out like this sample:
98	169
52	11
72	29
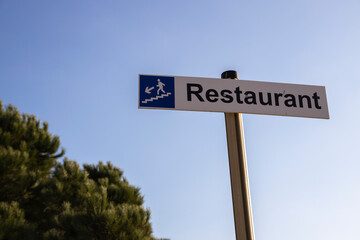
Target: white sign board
228	95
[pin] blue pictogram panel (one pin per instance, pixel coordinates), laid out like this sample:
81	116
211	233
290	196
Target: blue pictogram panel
156	92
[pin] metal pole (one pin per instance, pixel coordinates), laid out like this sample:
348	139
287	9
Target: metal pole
238	172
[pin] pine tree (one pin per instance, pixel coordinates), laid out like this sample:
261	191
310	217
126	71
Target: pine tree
43	198
27	153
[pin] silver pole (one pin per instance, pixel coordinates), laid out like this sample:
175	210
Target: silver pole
238	172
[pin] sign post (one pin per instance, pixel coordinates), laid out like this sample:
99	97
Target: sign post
238	172
234	97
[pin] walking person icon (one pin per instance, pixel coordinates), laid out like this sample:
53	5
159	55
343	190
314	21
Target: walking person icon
160	86
156	91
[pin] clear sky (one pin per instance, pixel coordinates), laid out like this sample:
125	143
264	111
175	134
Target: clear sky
75	64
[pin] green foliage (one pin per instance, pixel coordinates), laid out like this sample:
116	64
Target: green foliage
118	189
125	221
27	153
42	198
12	223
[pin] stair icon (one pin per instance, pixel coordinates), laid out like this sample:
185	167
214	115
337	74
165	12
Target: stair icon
157	97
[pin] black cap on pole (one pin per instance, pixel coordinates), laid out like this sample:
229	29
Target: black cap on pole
230	74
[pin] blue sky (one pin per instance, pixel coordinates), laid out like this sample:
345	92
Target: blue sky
75	64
